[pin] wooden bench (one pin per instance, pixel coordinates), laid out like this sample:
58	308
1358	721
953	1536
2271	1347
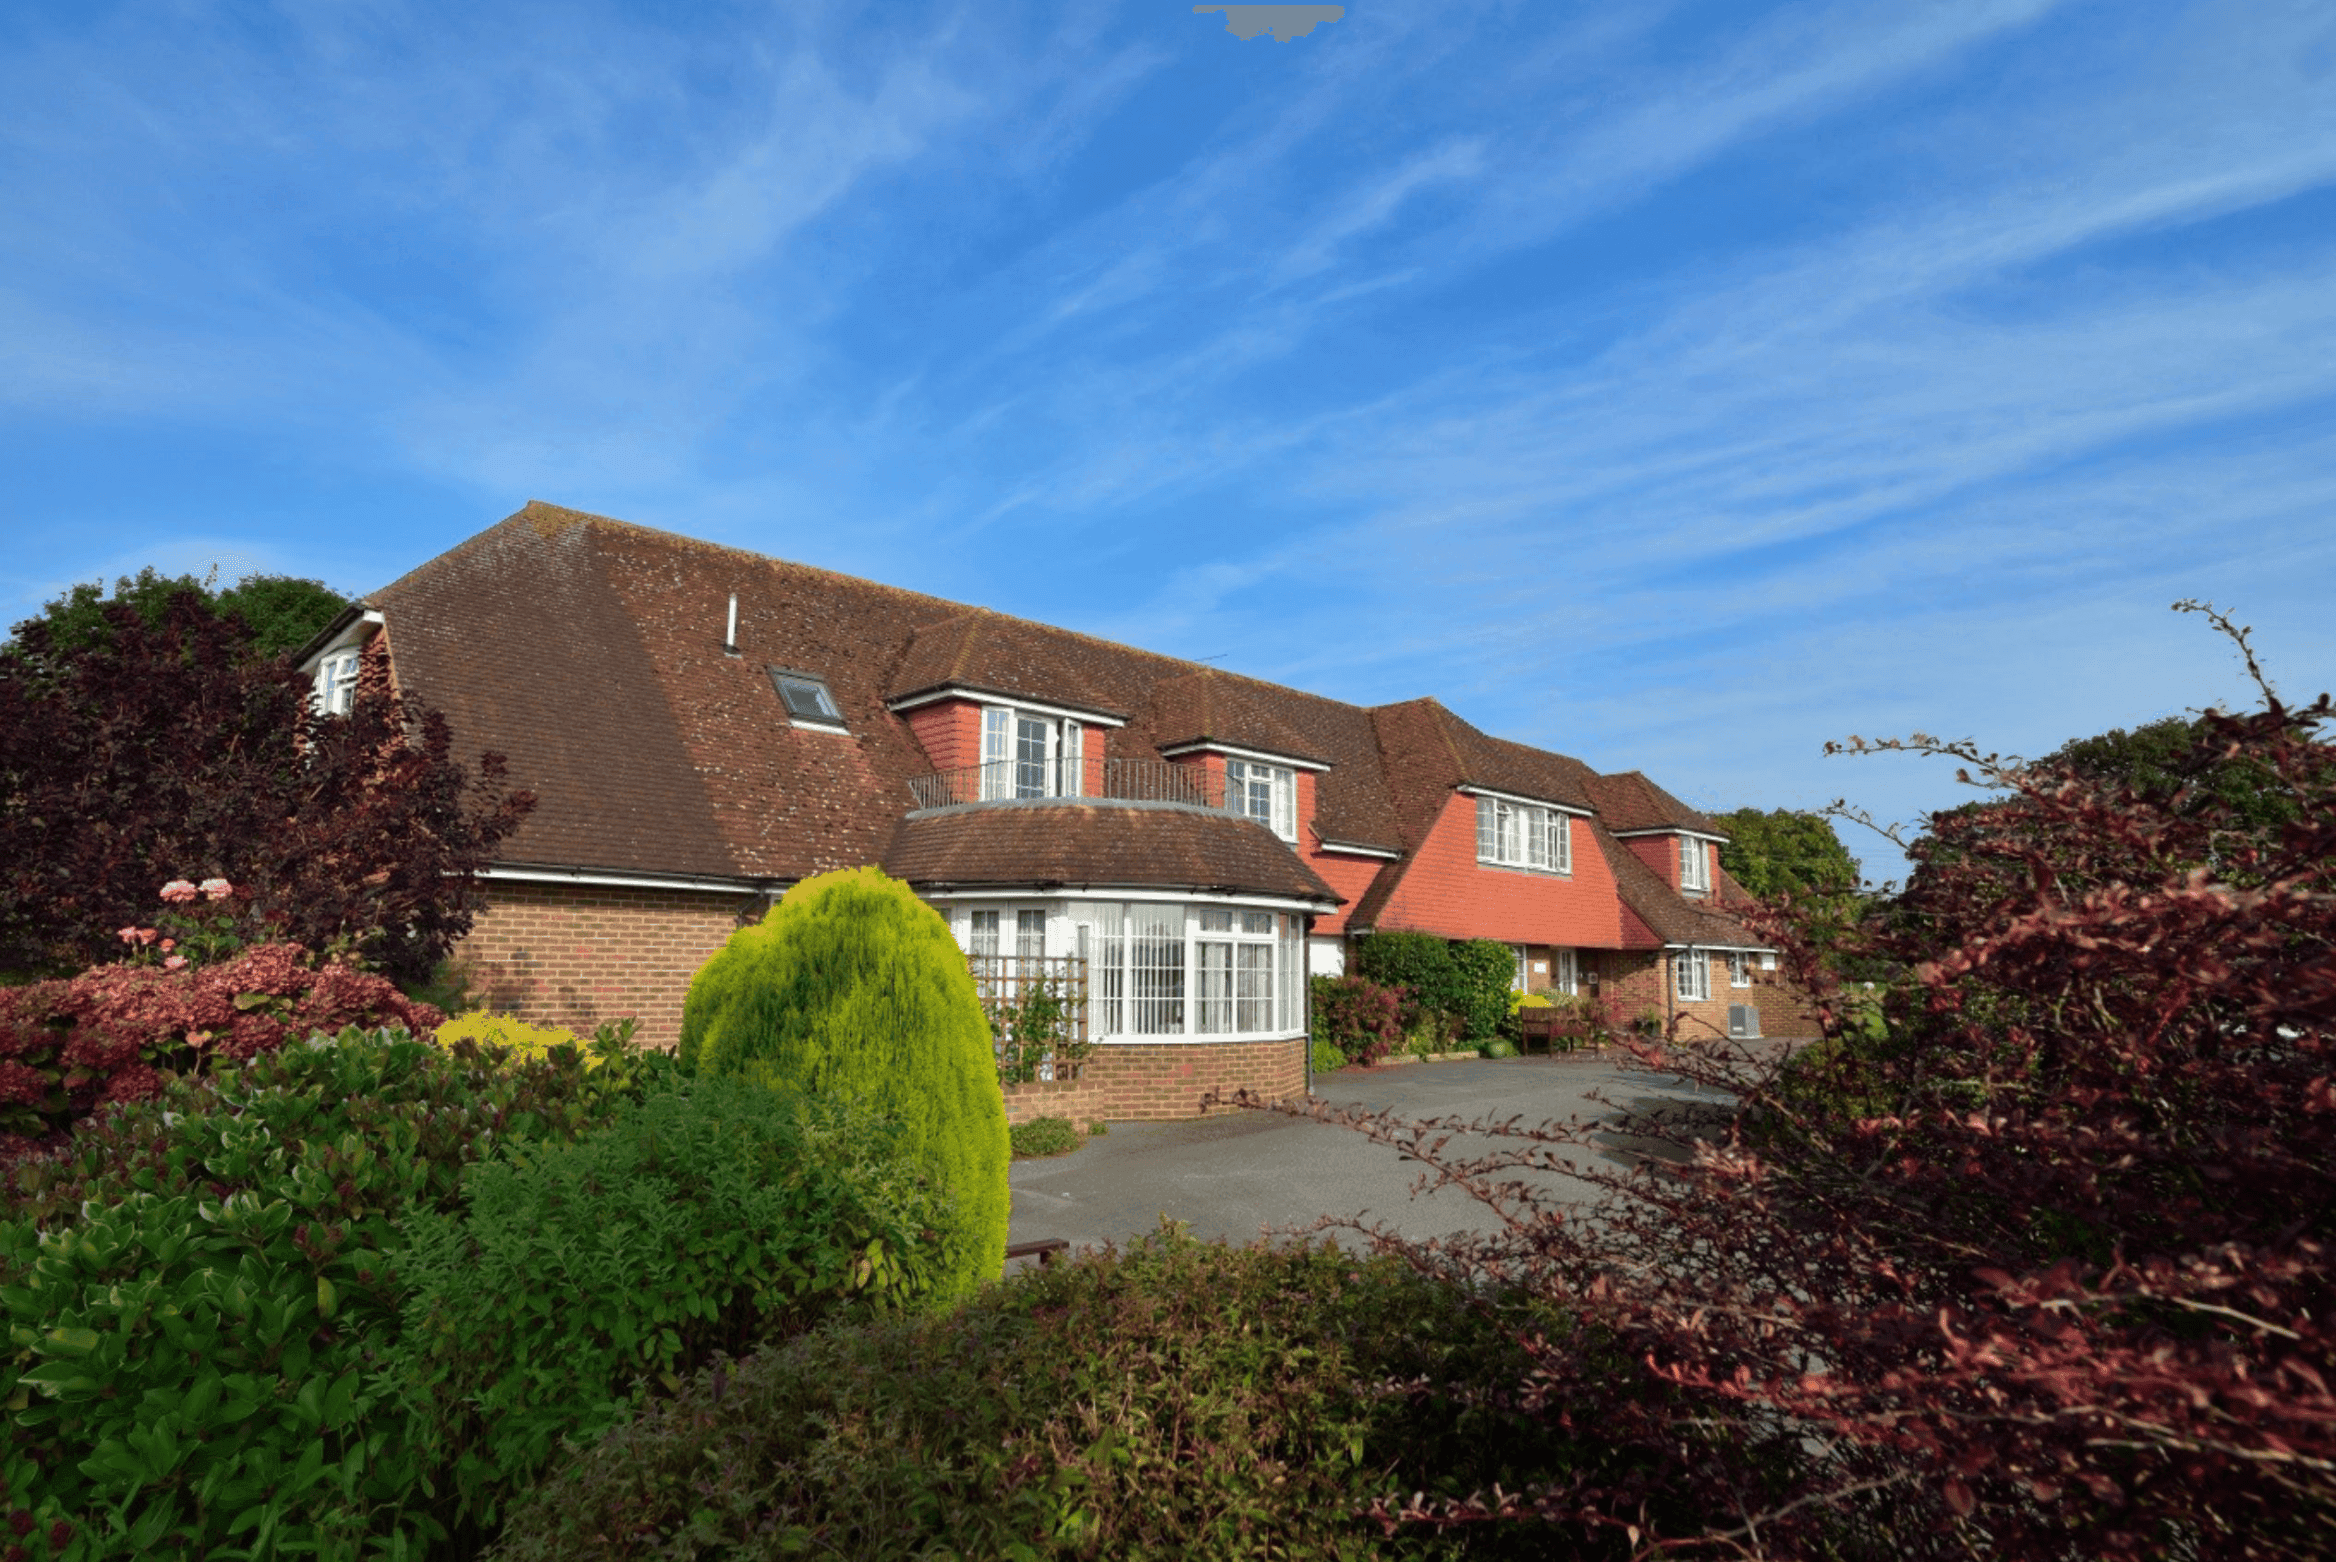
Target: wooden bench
1043	1250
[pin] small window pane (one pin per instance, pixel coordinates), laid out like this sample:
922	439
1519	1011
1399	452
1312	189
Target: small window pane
1255	993
1257	922
1029	934
1216	921
808	699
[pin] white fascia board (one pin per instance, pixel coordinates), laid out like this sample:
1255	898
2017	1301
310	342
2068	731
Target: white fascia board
1727	949
1144	892
621	880
1671	829
1529	802
360	629
1260	756
1348	848
958	691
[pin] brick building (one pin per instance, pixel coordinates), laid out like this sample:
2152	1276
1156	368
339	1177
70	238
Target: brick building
704	727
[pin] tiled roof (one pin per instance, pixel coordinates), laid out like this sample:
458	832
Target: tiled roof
1099	845
1628	801
1213	707
589	651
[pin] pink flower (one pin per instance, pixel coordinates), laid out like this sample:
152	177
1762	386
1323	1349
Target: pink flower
217	889
128	935
178	890
169	944
175	963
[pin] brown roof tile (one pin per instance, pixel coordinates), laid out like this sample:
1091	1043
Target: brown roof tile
1213	707
1100	845
1628	801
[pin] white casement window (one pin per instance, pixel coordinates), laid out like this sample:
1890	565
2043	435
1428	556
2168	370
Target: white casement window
1266	793
1518	982
1739	968
1025	754
1101	930
1233	958
1290	975
1522	835
1694	863
1565	970
336	683
1691	976
1155	970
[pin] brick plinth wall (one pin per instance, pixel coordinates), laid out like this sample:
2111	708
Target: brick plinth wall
576	955
1123	1082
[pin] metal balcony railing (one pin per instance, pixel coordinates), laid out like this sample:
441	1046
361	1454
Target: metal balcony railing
1021	780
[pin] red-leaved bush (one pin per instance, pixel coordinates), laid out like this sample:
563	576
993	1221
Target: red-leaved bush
106	1035
1360	1017
2036	1264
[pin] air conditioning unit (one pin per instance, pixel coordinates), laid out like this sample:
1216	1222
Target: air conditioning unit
1743	1022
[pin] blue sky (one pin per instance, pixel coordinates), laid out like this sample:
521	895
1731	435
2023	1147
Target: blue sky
1675	385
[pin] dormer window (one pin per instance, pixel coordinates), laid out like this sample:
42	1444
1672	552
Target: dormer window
336	682
808	702
1266	793
1694	864
1511	834
1028	753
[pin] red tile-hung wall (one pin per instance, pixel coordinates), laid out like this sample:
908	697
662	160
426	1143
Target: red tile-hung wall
1447	891
1659	852
949	731
1350	876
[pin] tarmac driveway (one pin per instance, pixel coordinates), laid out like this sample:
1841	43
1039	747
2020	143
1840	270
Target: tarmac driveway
1238	1175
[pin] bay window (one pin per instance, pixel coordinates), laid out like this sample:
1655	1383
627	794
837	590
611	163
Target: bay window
1168	971
1523	835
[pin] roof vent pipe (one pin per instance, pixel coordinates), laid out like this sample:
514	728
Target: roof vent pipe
730	635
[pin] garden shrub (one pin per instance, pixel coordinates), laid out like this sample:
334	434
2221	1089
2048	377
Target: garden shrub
1361	1019
1044	1136
1327	1058
113	1032
1466	981
854	989
713	1215
201	1285
1177	1399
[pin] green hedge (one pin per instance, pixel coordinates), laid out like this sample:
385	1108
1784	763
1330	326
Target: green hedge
200	1287
1175	1400
1467	980
713	1216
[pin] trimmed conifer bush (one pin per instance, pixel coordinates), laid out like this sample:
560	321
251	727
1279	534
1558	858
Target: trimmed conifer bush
853	989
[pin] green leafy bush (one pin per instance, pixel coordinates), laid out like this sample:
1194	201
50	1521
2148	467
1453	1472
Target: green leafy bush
1327	1058
1043	1136
1175	1400
199	1288
712	1216
853	989
1035	1031
1467	981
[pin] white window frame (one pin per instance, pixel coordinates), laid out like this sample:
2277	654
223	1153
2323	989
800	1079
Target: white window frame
1521	979
825	715
336	680
1739	968
1062	771
1512	834
1565	971
1694	863
1265	792
1233	973
1691	976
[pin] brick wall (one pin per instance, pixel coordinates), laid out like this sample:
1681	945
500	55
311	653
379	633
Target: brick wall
576	955
1350	876
1447	891
1136	1082
949	731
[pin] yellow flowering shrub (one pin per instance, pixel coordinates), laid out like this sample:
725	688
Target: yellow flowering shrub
524	1042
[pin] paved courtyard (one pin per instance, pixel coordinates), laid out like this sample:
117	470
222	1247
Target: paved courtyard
1234	1176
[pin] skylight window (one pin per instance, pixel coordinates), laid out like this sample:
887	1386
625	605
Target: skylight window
807	700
